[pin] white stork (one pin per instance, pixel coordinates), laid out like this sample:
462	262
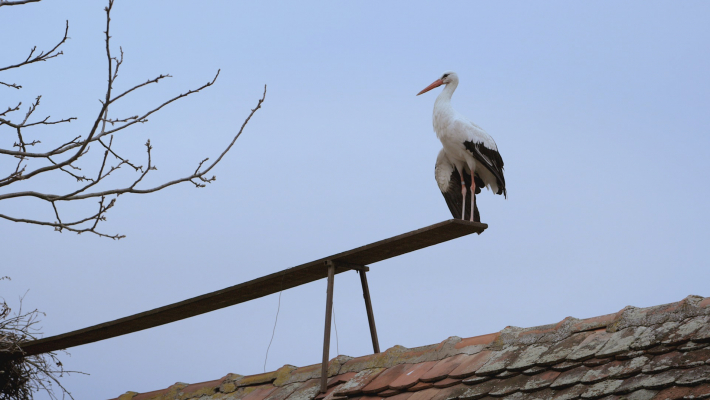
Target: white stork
469	152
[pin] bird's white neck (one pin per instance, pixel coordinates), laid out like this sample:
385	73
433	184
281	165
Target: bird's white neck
445	95
443	111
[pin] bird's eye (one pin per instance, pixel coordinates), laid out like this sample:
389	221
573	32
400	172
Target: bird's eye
445	75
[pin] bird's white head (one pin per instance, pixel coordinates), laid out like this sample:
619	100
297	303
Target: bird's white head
446	78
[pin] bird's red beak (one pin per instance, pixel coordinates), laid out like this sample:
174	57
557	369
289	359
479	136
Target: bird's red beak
436	83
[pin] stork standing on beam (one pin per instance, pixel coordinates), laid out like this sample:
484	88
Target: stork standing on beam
470	155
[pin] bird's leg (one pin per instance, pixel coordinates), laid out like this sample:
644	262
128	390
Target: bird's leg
473	205
463	194
473	197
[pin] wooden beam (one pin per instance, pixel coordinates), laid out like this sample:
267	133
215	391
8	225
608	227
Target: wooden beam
259	287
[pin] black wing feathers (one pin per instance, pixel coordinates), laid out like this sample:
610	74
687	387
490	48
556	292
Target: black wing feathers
490	159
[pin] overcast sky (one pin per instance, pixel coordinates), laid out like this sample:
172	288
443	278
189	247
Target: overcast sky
599	109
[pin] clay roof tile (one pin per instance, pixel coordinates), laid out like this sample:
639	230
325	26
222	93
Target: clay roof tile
634	354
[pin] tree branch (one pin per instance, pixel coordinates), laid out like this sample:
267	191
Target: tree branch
48	161
42	56
16	2
12	85
131	189
132	120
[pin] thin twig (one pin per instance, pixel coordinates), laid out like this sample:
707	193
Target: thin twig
16	2
11	85
42	56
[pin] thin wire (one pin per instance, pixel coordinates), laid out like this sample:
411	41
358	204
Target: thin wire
337	344
273	332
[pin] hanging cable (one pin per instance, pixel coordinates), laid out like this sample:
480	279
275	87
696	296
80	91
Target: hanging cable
273	332
337	344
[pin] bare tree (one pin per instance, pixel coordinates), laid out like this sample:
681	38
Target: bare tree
63	159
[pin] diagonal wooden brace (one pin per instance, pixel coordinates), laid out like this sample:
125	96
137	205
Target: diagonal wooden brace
370	314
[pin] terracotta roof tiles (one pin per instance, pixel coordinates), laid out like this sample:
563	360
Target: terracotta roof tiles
657	353
412	375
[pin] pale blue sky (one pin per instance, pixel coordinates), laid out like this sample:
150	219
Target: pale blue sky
600	110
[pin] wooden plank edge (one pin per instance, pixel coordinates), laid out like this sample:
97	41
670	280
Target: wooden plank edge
146	319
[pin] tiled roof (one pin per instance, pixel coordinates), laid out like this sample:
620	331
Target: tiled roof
660	352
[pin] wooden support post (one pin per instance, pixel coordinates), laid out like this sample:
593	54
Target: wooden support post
370	314
326	334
